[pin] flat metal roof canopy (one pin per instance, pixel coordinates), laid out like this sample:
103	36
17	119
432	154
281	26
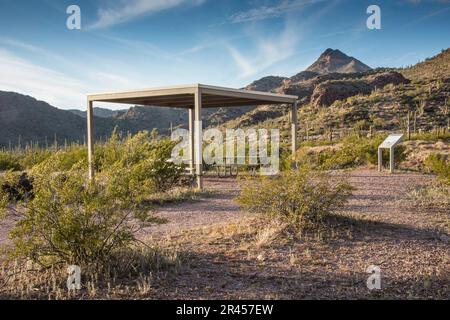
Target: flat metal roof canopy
194	97
183	97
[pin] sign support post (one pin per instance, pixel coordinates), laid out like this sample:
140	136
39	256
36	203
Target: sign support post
389	143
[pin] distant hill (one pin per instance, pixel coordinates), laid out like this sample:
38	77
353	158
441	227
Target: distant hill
303	76
139	118
336	85
336	61
266	84
99	112
24	119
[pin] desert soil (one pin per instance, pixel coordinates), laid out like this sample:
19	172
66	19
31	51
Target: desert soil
226	253
230	256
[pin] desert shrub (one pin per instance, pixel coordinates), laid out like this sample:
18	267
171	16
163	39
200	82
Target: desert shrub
304	156
148	158
32	157
9	162
16	186
356	151
138	269
74	222
300	198
316	143
62	160
66	219
353	151
126	152
433	195
70	220
348	156
24	159
439	164
432	136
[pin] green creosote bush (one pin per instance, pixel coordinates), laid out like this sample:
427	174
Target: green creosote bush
146	156
9	162
439	164
73	157
33	156
431	136
302	199
73	221
354	151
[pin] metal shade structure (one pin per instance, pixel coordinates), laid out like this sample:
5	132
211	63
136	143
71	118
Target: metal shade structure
194	97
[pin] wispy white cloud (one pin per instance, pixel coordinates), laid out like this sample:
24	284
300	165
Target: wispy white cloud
266	12
267	51
143	47
37	51
246	66
126	10
54	87
270	50
60	89
426	16
432	14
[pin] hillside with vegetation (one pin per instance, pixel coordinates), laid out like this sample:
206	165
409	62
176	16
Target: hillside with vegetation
25	120
337	93
377	100
141	230
437	67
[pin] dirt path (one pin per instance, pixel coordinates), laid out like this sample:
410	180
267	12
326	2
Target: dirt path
223	253
377	195
217	206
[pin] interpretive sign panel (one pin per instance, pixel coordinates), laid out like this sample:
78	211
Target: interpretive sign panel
391	141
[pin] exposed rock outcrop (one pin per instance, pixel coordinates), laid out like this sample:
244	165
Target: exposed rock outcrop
267	84
328	92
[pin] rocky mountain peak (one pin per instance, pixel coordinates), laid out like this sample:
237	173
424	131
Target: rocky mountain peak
333	60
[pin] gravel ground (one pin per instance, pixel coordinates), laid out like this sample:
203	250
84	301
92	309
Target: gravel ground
376	195
222	258
216	207
225	262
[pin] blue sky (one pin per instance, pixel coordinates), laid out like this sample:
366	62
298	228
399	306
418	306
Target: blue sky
127	44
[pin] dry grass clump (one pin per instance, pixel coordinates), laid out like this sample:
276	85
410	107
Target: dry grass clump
434	195
177	194
439	164
130	273
268	233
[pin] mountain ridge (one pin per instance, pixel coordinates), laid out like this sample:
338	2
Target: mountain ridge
24	119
